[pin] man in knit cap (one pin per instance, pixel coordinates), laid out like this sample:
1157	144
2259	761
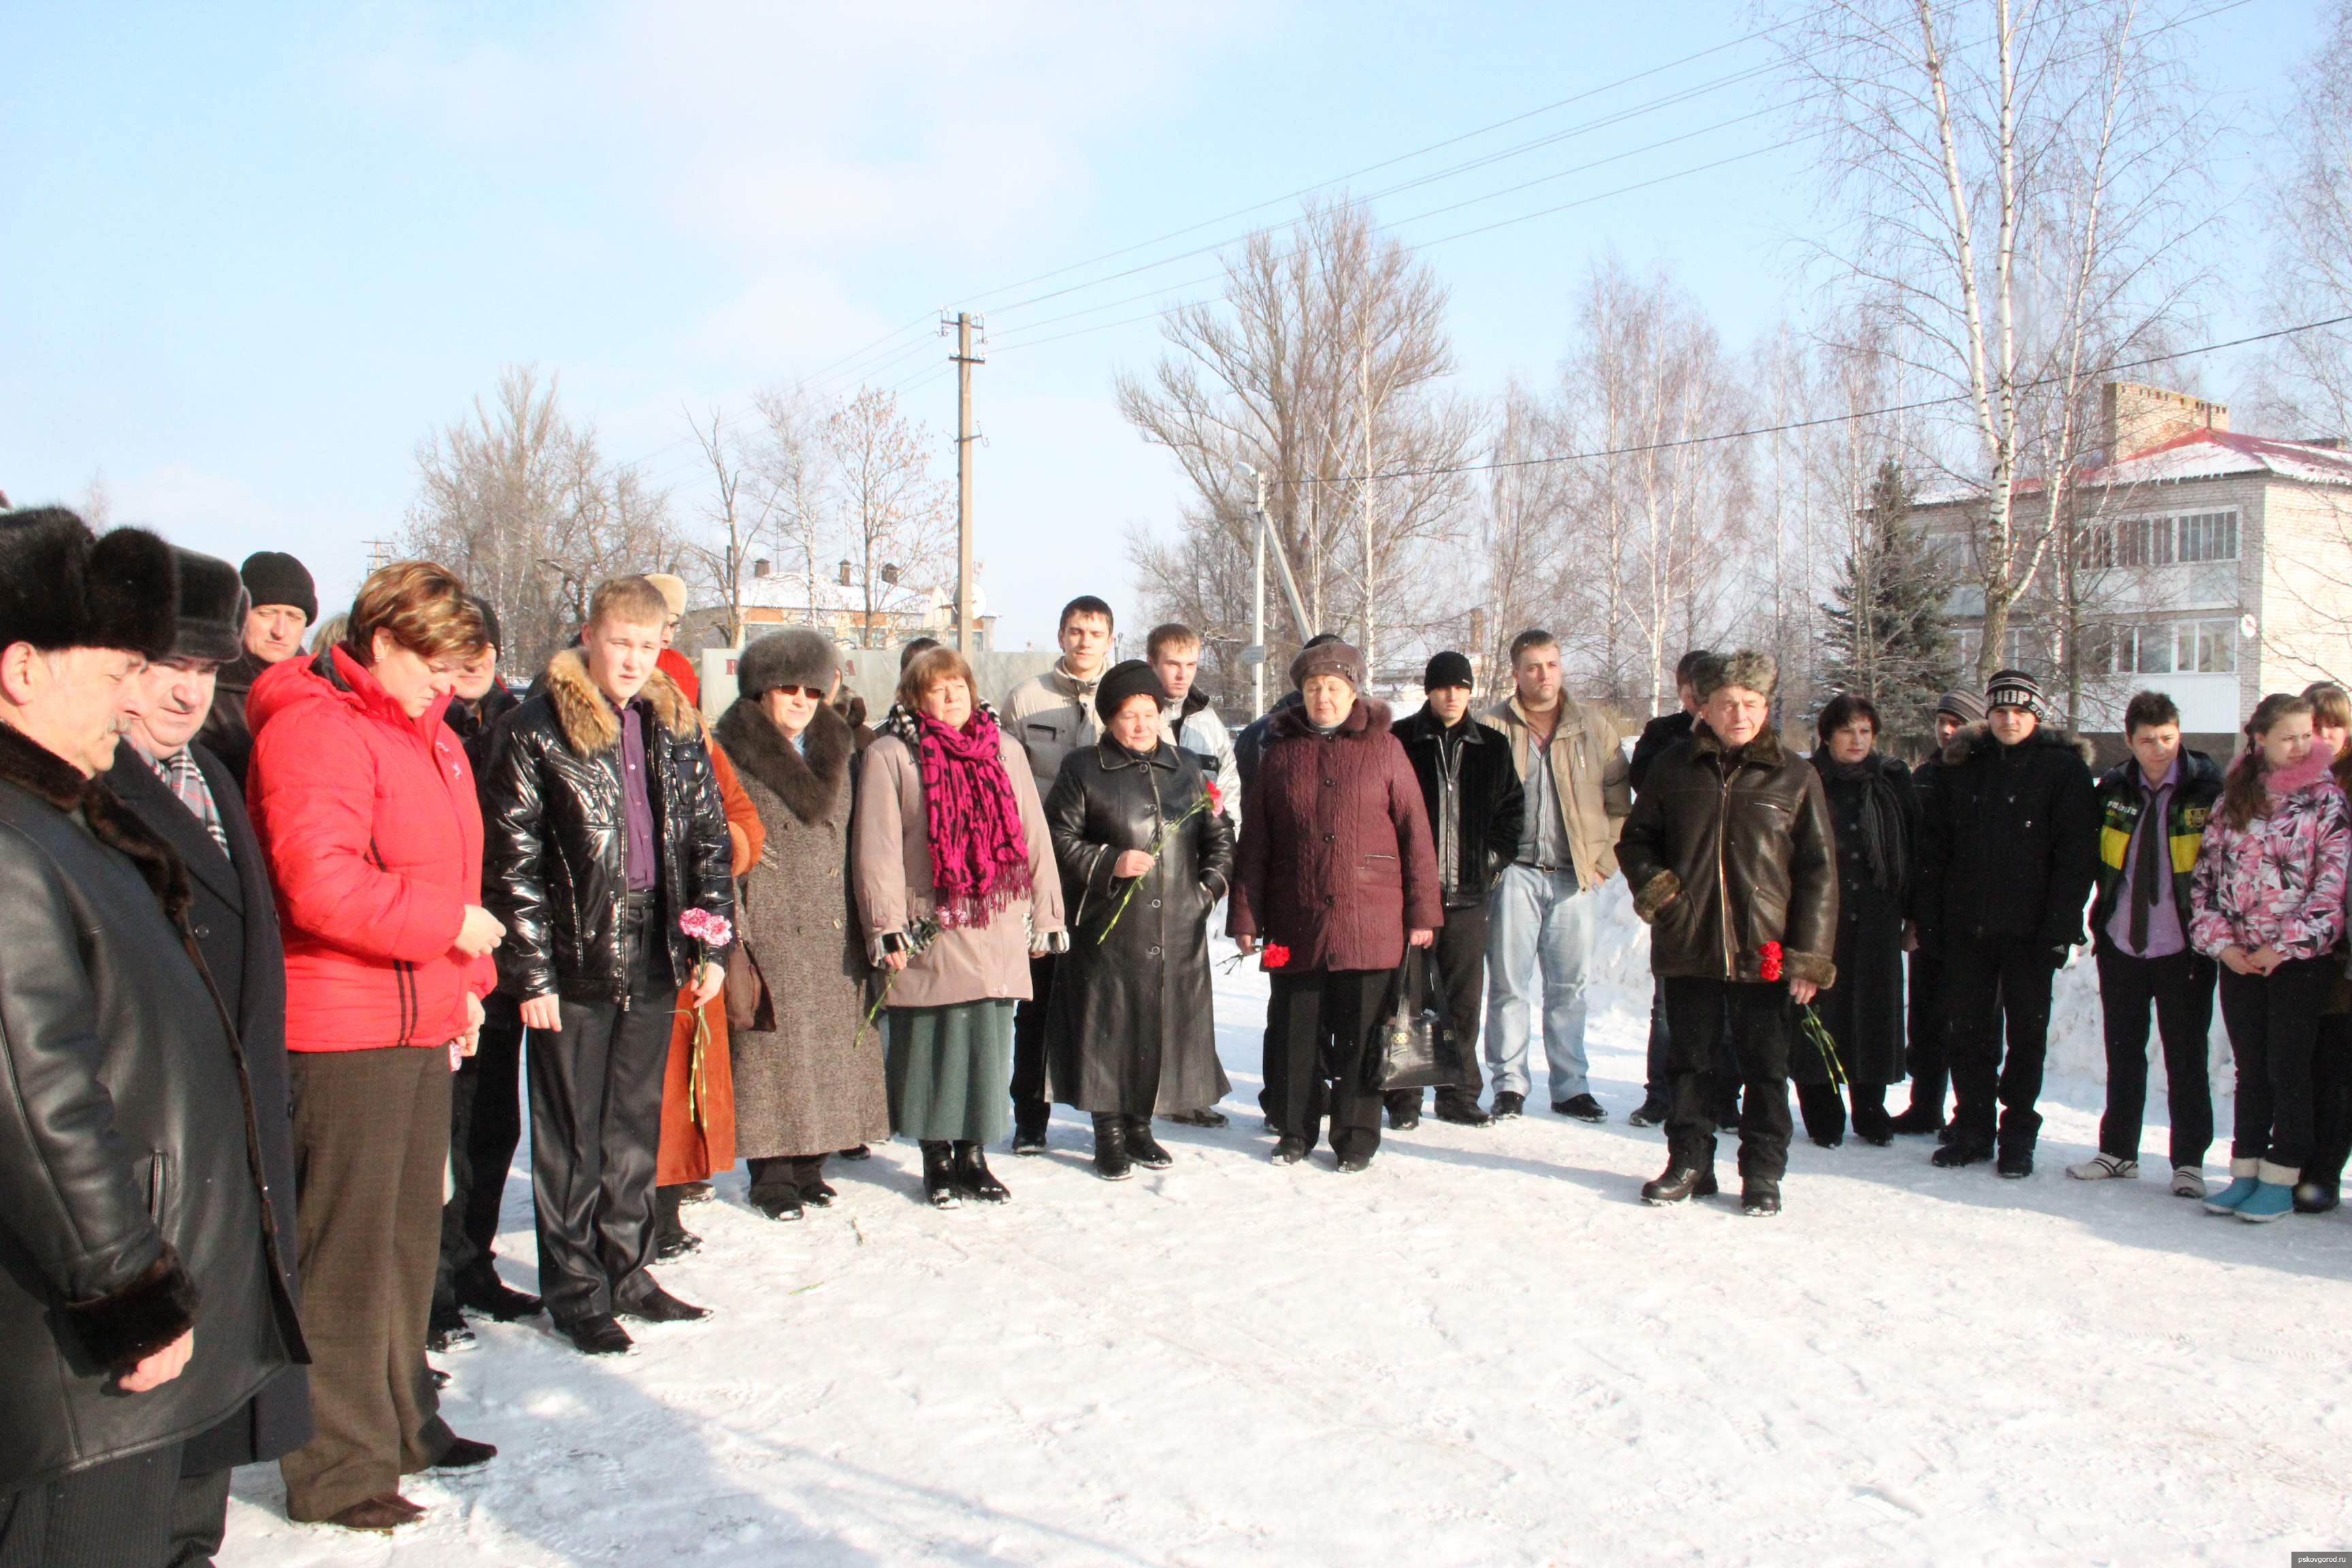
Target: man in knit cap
285	605
1925	1020
2009	852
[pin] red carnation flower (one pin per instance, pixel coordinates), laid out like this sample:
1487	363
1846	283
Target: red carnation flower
1217	797
1276	955
1770	952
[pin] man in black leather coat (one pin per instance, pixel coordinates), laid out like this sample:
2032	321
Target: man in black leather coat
189	796
602	826
1477	807
140	1298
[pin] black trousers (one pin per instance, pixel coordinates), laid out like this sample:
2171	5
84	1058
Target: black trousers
1822	1105
484	1126
2273	1021
1457	973
1989	983
595	1132
1763	1023
2180	988
1314	1055
1927	1026
2331	1099
199	1519
1659	1070
1030	1107
114	1515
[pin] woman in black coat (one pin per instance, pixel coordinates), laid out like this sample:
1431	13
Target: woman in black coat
1875	815
1130	1031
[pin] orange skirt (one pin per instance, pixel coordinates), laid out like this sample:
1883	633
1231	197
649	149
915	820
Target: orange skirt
690	1153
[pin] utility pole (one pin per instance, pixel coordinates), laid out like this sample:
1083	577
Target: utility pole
964	359
1257	604
1364	407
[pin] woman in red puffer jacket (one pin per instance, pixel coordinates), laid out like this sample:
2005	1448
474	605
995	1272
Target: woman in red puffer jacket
364	805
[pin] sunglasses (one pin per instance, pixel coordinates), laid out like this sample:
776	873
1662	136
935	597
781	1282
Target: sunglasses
813	694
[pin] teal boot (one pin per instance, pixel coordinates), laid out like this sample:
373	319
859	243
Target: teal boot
2244	1181
2273	1194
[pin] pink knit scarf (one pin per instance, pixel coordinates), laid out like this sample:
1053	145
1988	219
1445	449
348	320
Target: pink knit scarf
980	859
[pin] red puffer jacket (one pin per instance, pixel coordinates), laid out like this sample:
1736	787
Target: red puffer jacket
375	841
1336	860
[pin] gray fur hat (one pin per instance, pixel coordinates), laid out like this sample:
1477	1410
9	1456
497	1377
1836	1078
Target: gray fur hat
1754	671
797	656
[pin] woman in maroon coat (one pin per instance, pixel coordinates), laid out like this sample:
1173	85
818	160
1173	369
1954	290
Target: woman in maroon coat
1337	873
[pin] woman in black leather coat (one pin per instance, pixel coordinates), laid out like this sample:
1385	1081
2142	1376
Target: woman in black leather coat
1130	1031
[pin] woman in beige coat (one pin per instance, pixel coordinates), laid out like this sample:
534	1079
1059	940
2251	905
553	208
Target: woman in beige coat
808	1071
956	889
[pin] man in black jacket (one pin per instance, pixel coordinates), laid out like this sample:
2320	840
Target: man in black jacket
1925	1020
142	1299
2011	844
602	827
1656	735
486	1091
1476	804
189	797
1731	858
285	603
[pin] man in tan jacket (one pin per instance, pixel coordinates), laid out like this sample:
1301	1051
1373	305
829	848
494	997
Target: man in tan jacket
1544	910
1051	715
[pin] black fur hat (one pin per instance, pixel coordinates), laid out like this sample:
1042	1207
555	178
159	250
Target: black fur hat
797	656
213	602
61	587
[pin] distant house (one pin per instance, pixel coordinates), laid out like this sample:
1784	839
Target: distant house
834	603
2212	566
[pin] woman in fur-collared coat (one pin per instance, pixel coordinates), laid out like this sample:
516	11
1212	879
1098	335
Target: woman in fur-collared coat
808	1069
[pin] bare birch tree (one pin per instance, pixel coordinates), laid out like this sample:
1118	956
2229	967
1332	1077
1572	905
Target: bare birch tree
736	513
895	519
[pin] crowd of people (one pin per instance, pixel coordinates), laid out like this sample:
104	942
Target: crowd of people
301	921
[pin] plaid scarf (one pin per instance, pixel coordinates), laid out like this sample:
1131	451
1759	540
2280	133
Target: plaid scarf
181	775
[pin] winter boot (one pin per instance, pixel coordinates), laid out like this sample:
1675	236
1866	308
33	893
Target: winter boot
1029	1137
860	1153
1461	1107
1143	1148
1759	1197
447	1331
653	1304
1508	1105
1871	1123
1652	1112
938	1174
1962	1149
2273	1194
1581	1108
671	1238
2104	1168
482	1290
2015	1160
1111	1163
1680	1181
2315	1197
1207	1116
1915	1120
1404	1109
1289	1151
2242	1182
774	1193
694	1193
974	1176
808	1175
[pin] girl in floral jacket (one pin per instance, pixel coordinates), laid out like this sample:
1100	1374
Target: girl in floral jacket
2267	900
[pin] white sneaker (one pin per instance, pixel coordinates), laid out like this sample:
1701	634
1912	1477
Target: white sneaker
2106	1166
2188	1182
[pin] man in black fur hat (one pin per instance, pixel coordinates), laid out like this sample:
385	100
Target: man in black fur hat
189	796
145	1296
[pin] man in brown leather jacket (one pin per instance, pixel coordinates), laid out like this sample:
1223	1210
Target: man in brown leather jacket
1729	855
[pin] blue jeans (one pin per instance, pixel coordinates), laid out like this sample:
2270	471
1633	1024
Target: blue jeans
1539	953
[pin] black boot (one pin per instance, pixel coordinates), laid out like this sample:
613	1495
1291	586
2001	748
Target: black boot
774	1193
1962	1149
808	1175
1403	1108
1915	1120
1759	1196
1461	1107
1680	1181
484	1291
974	1178
1652	1111
938	1174
671	1238
1111	1163
446	1331
1143	1148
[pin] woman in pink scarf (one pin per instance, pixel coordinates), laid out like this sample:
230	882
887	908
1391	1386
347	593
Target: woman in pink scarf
956	888
2267	900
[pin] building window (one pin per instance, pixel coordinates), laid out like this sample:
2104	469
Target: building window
2164	648
2209	536
2162	540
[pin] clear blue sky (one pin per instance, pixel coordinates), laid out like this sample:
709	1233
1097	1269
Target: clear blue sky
254	254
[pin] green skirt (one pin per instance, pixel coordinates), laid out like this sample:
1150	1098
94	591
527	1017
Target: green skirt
950	1071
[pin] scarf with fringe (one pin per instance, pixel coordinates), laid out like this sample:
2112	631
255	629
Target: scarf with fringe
980	858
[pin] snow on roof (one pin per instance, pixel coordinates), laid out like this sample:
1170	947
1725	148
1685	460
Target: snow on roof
2200	455
823	593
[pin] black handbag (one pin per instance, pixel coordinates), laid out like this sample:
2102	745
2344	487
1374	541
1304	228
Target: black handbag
1415	1046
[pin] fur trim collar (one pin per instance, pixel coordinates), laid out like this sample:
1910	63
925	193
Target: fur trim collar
1765	751
589	722
2312	771
1370	716
808	785
1977	740
42	774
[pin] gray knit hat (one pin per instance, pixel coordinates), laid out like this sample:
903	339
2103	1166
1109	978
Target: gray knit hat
1754	671
1965	706
797	656
2016	688
1334	657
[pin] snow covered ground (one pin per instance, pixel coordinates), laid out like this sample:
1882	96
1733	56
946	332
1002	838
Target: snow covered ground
1484	1350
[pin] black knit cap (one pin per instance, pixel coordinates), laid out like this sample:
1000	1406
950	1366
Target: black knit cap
1134	677
1447	668
2016	688
489	623
276	578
